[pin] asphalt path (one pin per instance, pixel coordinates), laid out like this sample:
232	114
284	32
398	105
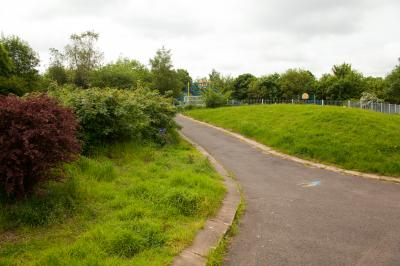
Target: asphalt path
297	215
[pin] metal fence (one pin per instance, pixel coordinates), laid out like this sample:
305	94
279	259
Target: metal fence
193	100
382	107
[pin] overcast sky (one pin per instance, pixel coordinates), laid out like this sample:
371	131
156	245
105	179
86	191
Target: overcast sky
234	37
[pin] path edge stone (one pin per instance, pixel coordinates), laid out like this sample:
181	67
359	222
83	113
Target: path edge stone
268	150
216	227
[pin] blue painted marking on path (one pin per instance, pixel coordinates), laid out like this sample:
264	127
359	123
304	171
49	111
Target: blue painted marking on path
314	183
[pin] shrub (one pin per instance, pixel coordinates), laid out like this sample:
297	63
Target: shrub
159	110
109	115
214	98
105	115
36	134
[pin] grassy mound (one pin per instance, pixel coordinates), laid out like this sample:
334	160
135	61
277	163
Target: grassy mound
128	204
350	138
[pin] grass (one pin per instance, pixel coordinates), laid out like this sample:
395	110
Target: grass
216	255
349	138
128	204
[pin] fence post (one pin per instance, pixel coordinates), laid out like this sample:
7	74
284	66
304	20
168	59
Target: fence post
292	101
262	101
322	102
381	107
348	104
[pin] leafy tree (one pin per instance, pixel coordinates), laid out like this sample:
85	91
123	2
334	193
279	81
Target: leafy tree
183	78
325	82
6	65
165	79
24	58
216	80
294	82
241	86
266	87
23	76
341	71
344	83
376	86
125	74
83	56
56	70
393	82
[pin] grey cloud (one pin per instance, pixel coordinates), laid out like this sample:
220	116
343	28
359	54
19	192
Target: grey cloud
309	17
236	36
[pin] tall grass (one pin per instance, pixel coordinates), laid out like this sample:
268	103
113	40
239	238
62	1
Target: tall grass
350	138
127	204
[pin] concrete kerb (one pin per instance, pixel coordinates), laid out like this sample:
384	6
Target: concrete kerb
214	228
268	150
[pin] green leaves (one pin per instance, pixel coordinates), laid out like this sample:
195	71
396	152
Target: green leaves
110	115
214	98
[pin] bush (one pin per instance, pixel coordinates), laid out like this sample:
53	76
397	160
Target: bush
160	112
36	134
110	115
105	115
214	98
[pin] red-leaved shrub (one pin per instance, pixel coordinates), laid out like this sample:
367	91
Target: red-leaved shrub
36	134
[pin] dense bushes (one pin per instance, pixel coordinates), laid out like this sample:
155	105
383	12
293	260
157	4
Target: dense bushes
159	112
214	98
36	134
109	115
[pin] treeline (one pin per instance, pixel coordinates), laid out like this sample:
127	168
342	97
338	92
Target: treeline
343	83
79	64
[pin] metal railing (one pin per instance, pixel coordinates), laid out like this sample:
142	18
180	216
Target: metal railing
382	107
193	100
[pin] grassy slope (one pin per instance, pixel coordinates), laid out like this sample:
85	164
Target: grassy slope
128	205
350	138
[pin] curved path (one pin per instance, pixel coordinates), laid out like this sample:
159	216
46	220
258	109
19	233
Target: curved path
297	215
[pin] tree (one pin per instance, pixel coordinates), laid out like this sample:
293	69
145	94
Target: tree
344	83
295	82
24	58
341	71
56	70
83	56
376	86
393	83
266	87
6	65
164	78
325	82
23	76
220	82
124	73
183	78
241	86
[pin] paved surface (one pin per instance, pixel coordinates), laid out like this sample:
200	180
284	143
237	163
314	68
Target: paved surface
296	215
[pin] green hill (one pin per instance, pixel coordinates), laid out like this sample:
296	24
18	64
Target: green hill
350	138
